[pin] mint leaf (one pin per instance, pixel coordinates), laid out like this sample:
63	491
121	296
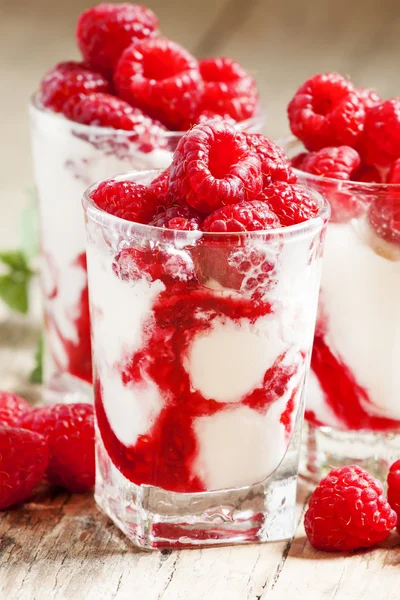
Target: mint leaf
15	260
14	291
29	229
37	373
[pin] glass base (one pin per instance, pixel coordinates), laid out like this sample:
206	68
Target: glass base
66	389
153	518
325	448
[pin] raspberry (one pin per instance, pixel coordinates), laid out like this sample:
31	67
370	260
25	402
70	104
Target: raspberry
161	78
367	174
229	89
69	429
105	110
298	160
153	264
368	97
159	191
124	199
381	141
326	111
213	166
11	408
393	493
292	204
348	511
246	216
68	79
104	31
384	216
202	116
337	163
275	165
24	457
183	218
394	173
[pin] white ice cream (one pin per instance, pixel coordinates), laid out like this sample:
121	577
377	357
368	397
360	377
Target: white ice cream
360	293
64	166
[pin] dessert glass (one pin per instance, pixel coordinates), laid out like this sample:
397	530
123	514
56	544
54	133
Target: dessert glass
353	397
67	158
201	348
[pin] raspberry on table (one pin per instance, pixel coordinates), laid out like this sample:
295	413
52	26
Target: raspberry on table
384	216
161	78
394	173
368	97
393	492
213	166
292	204
275	165
68	79
183	218
69	430
245	216
24	457
347	511
105	110
124	199
228	89
380	144
12	407
326	111
338	162
104	31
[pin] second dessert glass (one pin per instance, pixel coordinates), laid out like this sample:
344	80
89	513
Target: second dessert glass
201	348
67	158
353	399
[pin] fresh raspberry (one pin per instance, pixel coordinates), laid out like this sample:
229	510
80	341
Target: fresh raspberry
275	165
393	492
380	143
105	110
11	408
326	111
202	116
384	216
336	163
104	31
161	78
124	199
24	457
298	160
246	216
394	173
213	166
153	264
68	79
292	204
183	218
368	97
348	511
159	191
367	174
69	429
229	89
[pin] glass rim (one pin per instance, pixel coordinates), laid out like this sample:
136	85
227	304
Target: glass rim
111	221
36	105
361	186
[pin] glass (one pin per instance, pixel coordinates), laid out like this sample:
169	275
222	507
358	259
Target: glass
67	158
353	400
201	346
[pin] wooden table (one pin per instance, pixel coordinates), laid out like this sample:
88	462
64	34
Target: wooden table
60	547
